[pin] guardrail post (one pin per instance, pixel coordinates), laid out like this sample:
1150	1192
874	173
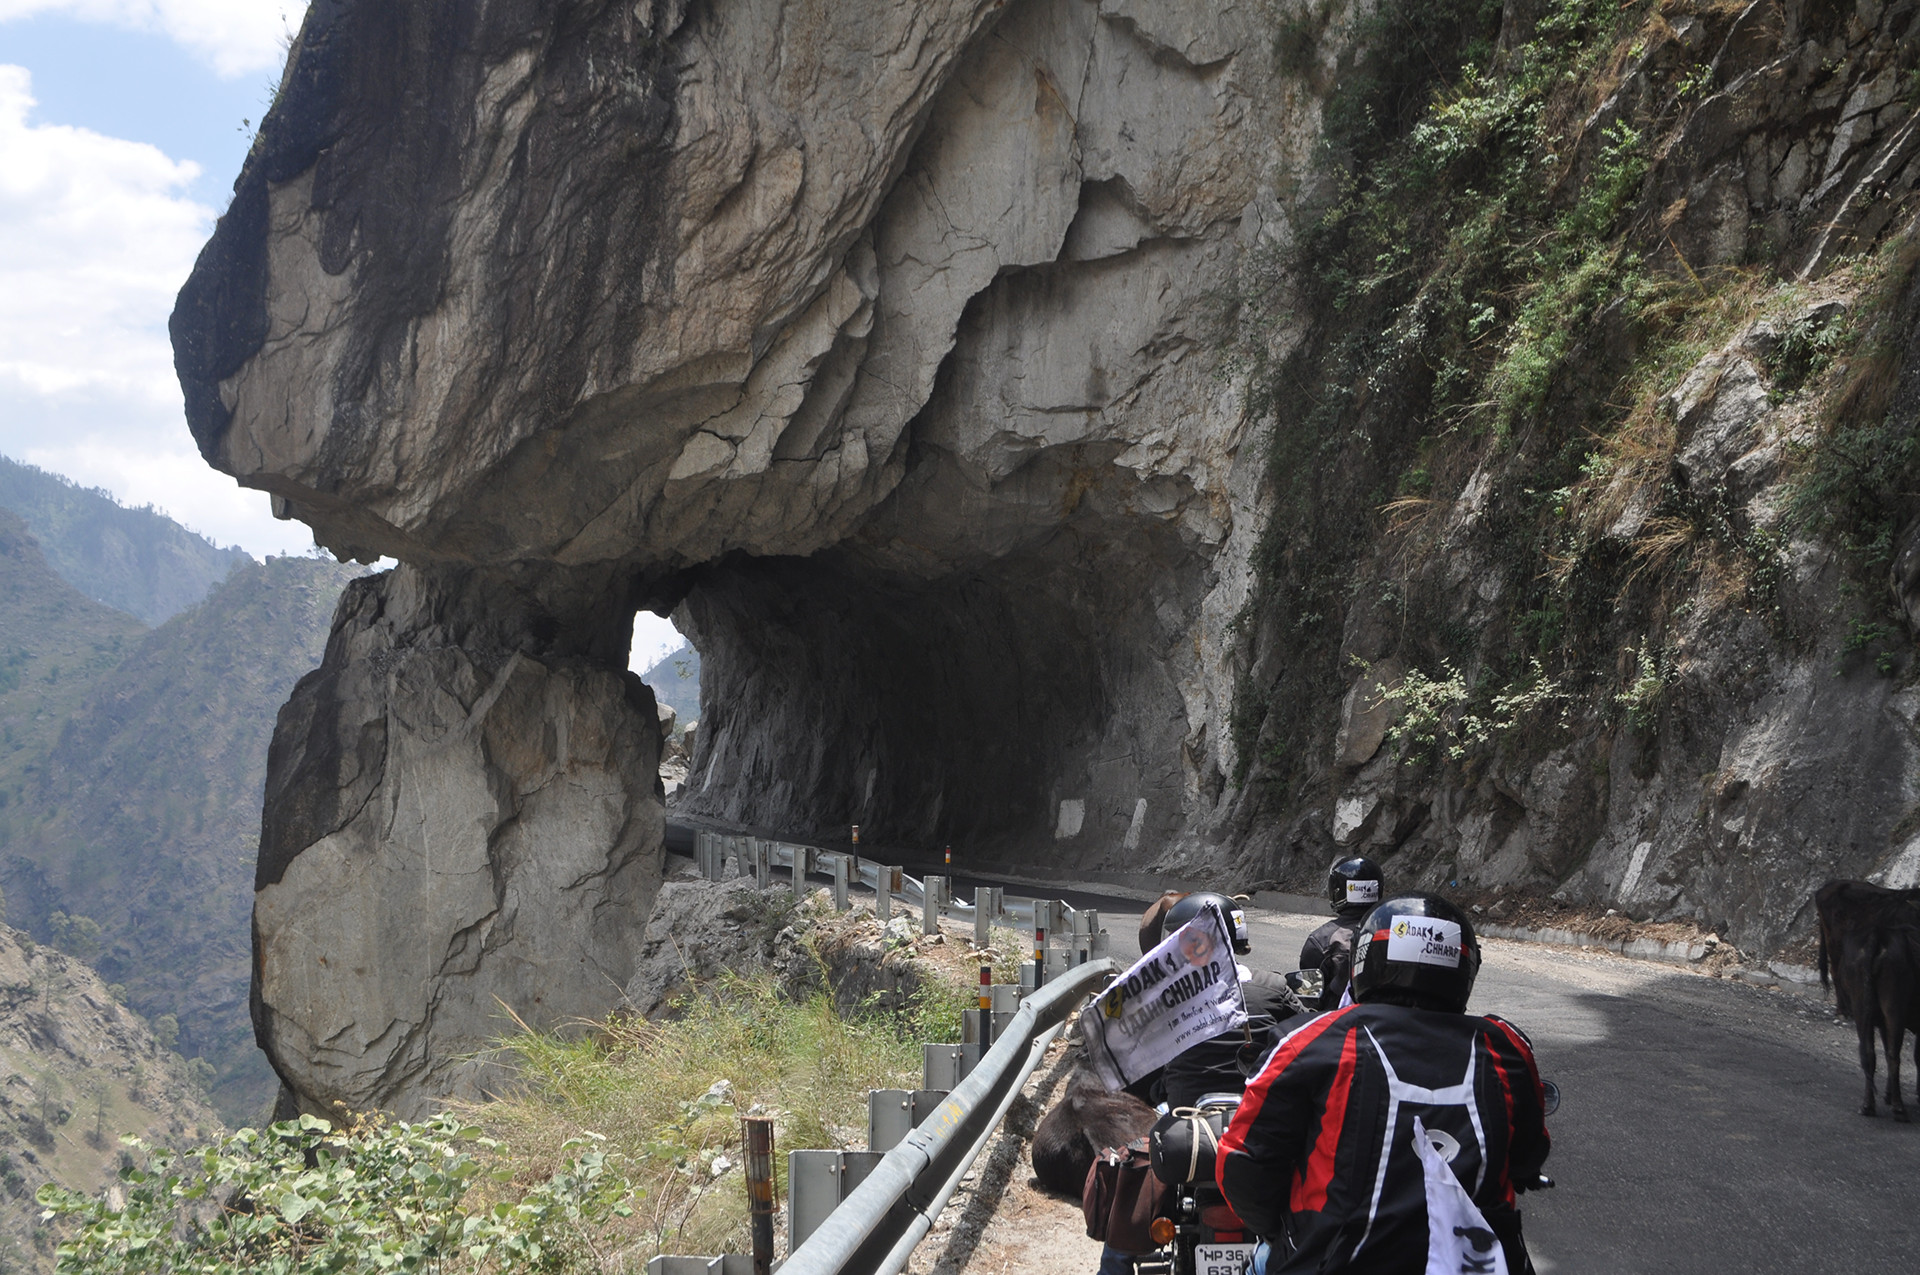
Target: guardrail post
817	1181
758	1134
894	1113
1006	1003
934	897
945	1066
1042	923
986	1006
840	883
983	917
1077	944
882	893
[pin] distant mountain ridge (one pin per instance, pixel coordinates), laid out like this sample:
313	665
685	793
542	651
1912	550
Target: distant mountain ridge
136	560
54	644
146	813
77	1070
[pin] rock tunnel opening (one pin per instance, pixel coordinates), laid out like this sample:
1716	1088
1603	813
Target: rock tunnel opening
1011	709
920	711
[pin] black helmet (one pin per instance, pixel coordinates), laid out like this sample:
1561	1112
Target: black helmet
1354	883
1188	908
1416	949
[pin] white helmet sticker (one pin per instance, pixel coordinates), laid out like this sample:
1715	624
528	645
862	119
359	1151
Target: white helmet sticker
1424	940
1239	926
1363	891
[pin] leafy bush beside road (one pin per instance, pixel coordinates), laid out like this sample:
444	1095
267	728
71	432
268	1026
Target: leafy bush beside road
303	1196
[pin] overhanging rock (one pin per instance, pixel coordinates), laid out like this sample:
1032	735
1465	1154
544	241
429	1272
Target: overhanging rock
896	320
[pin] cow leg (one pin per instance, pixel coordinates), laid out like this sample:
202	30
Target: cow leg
1892	1030
1895	992
1865	1028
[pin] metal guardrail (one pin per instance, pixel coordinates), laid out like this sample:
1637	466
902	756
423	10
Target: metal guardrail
876	1228
1073	936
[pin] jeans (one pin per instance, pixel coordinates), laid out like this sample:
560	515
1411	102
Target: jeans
1114	1262
1260	1255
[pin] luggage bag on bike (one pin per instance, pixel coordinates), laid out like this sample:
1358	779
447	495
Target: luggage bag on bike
1185	1142
1122	1197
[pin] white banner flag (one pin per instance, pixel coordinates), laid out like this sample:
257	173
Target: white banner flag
1185	991
1459	1241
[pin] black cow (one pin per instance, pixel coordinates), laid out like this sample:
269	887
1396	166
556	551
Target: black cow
1086	1121
1870	947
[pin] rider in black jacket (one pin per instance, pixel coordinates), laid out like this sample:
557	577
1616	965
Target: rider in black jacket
1354	887
1321	1159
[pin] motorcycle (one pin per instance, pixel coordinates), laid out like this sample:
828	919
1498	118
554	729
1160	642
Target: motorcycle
1202	1236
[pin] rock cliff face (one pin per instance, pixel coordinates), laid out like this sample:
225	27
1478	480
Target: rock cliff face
457	828
893	349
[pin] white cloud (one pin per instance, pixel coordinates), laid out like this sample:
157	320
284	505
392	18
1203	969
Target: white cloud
235	37
96	236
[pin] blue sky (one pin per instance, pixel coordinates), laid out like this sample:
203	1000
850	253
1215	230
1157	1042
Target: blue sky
120	136
143	86
122	126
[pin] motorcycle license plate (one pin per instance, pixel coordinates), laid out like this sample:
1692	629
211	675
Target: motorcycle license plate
1222	1259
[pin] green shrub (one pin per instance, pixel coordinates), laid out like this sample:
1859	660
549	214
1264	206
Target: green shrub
1647	691
1445	719
303	1197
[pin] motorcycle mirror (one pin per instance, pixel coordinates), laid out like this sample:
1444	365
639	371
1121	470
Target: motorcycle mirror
1306	984
1551	1092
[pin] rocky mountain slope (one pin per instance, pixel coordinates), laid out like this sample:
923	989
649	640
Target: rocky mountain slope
675	679
131	767
149	808
77	1071
1101	434
137	560
1590	486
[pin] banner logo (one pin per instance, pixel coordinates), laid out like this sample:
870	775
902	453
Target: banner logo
1424	940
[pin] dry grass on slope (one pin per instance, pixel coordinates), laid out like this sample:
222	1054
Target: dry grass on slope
668	1097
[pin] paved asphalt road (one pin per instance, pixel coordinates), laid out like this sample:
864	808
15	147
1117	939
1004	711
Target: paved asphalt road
1705	1126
